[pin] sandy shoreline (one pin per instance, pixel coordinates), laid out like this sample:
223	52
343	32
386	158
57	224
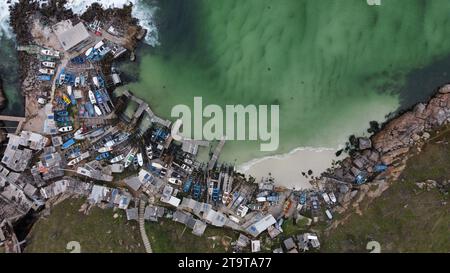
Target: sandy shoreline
287	168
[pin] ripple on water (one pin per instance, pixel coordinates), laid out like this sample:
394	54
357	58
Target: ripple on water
331	65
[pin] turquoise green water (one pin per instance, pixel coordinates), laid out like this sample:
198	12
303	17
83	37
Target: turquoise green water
9	74
331	65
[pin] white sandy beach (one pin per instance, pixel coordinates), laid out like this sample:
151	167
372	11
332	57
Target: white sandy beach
287	168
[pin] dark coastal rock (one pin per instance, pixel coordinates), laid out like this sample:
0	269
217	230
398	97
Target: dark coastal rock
364	143
2	96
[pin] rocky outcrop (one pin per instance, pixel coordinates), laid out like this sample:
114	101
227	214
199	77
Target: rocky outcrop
2	96
389	146
382	158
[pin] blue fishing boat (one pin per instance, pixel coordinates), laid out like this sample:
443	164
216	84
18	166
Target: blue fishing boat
102	156
90	109
98	96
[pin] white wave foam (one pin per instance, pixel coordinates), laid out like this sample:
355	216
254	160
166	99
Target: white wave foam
141	11
245	167
5	28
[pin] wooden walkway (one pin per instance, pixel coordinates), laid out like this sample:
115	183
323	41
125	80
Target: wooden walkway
148	247
20	120
216	154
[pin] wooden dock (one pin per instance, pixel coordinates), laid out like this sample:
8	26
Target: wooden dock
20	120
216	154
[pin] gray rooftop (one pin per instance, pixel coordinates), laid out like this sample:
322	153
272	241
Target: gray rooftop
72	36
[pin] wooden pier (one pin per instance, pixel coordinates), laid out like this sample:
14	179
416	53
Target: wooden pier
20	120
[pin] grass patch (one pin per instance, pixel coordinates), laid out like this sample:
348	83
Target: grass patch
168	236
404	218
96	232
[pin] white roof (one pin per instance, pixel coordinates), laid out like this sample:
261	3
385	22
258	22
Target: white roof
174	201
261	225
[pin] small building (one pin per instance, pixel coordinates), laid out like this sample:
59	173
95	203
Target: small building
152	213
261	225
132	214
256	246
289	244
133	182
243	241
72	38
98	194
199	228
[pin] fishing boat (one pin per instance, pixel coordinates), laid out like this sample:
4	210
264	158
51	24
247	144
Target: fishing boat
74	161
78	159
105	149
62	119
140	159
117	159
79	134
121	138
149	151
130	157
49	64
69	90
65	129
97	110
98	96
110	143
62	113
102	156
89	108
92	97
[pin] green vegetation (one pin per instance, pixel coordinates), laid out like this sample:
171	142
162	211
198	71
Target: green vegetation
97	232
167	236
405	218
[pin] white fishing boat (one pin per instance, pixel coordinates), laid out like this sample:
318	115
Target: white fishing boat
49	64
117	159
105	149
65	129
140	159
69	90
97	110
157	166
149	151
74	161
78	159
78	135
129	158
110	143
92	97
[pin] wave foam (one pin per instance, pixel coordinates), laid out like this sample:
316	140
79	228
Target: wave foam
245	167
141	11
